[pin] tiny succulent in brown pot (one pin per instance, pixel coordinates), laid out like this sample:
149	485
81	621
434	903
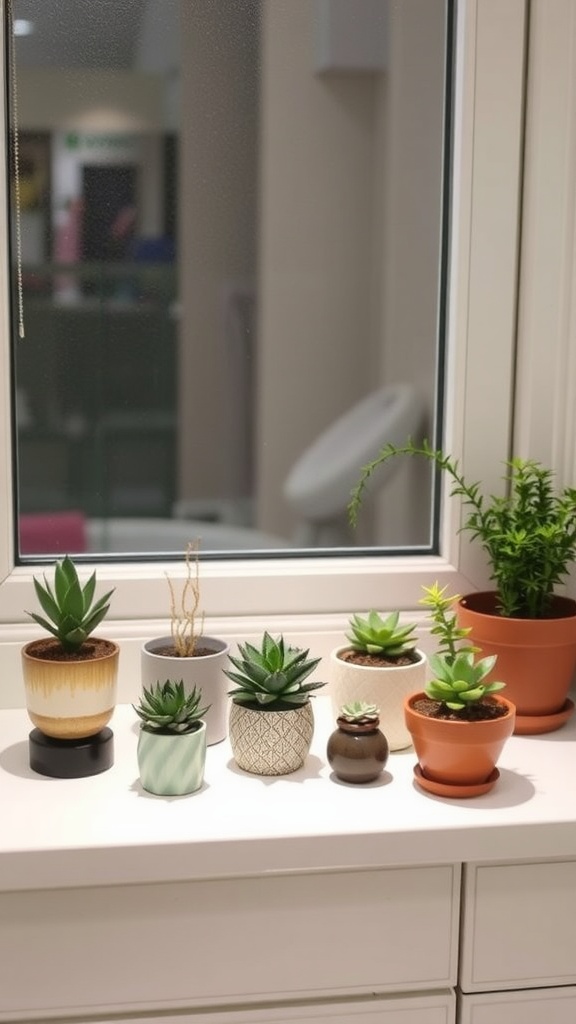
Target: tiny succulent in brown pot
357	750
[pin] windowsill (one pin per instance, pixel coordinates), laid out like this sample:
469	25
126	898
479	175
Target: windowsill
106	830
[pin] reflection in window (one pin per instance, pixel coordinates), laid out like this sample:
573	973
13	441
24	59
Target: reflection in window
231	219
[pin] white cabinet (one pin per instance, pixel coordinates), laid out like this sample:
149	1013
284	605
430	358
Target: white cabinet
552	1006
229	941
518	926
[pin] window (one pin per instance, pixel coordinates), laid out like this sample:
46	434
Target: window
482	309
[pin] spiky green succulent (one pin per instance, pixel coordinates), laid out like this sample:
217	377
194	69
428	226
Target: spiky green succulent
460	683
360	712
376	635
271	676
72	613
166	708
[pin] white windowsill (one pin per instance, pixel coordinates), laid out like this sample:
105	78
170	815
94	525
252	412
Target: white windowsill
105	830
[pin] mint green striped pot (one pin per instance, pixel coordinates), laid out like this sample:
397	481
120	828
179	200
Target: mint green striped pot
172	764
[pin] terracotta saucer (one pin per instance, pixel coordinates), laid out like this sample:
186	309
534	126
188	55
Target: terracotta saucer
445	789
533	725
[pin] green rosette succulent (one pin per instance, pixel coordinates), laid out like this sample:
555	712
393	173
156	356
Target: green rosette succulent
70	609
271	676
165	708
375	635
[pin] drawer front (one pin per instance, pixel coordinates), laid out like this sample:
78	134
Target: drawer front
552	1006
432	1008
519	926
232	941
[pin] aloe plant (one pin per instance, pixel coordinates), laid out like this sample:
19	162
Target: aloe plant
272	675
165	708
376	635
71	611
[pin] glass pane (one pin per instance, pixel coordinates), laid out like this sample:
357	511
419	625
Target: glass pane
232	233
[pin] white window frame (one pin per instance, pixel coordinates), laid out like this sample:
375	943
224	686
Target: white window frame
241	595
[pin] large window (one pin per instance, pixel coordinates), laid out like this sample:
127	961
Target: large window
481	306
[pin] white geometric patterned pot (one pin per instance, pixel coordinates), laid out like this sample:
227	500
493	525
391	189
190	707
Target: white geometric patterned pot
172	765
271	742
385	686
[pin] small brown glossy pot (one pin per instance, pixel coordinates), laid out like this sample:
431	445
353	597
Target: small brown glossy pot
356	752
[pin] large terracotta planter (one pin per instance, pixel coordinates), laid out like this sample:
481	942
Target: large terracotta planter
172	765
70	699
271	742
205	671
387	687
458	755
536	657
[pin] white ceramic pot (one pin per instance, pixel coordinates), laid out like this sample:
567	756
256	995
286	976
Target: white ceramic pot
271	742
385	686
70	700
205	672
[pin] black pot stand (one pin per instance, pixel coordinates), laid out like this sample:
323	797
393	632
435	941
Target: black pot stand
71	759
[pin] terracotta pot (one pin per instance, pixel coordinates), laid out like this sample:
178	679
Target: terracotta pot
205	671
536	657
458	753
386	687
357	752
271	742
70	700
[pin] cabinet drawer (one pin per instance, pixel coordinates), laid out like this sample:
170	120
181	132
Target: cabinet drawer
554	1006
230	941
519	926
429	1008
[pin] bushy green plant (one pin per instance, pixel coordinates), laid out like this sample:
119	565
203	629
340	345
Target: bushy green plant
375	635
360	712
458	680
272	676
165	708
529	535
72	613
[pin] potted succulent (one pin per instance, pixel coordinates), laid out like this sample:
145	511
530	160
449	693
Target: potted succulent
380	665
529	536
172	739
70	677
271	718
460	722
187	654
357	750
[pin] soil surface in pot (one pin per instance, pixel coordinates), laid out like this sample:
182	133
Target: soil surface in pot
170	651
376	660
50	649
484	711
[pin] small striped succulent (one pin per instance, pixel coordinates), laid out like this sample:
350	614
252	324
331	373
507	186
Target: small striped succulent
375	635
271	676
166	708
72	613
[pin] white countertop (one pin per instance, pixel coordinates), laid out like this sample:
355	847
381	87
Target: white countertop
107	830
